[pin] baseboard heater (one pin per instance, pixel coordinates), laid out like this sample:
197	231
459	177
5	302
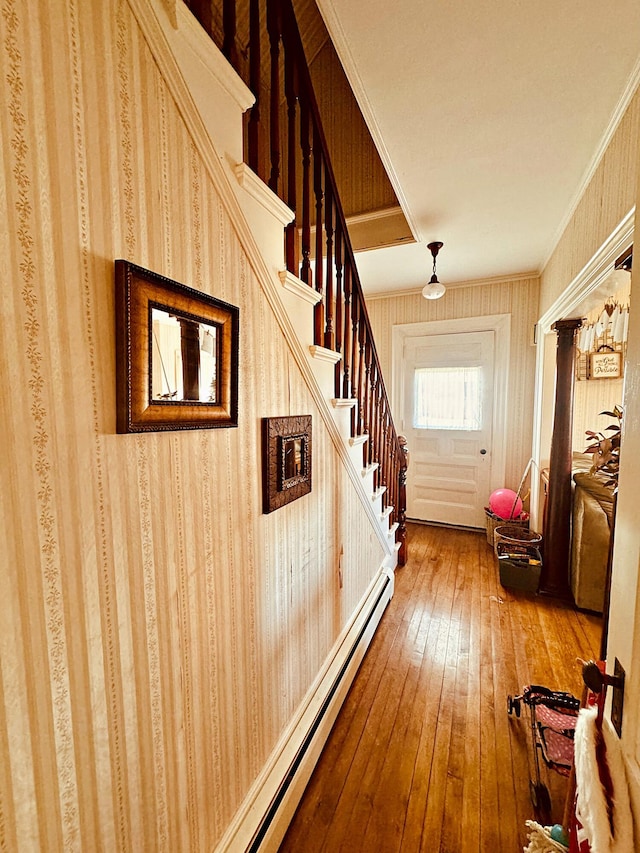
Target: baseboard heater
304	748
271	828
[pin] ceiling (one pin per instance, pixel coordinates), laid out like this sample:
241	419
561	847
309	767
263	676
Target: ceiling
489	118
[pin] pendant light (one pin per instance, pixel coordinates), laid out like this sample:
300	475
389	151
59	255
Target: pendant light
620	275
434	290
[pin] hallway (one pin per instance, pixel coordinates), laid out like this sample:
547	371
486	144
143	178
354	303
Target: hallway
423	756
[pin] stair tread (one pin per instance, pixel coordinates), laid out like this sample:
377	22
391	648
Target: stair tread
298	287
324	354
358	439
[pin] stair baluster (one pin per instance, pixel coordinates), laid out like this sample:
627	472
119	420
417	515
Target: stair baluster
339	310
292	127
305	144
319	194
329	301
345	390
255	145
274	100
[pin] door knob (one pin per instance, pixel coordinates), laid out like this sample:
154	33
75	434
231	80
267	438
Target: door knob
483	452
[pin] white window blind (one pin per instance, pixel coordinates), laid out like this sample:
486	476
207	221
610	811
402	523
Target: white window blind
448	398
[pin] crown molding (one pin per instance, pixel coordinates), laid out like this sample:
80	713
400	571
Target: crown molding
614	122
478	282
592	275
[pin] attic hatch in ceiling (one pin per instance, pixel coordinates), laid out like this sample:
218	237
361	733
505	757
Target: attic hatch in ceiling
374	216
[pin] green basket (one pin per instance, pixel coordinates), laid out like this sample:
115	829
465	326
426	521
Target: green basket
520	566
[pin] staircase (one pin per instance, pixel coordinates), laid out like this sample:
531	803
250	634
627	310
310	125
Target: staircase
287	182
329	338
318	297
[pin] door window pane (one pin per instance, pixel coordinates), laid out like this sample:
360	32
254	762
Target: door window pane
447	398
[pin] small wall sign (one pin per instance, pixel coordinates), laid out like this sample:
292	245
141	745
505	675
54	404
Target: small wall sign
605	365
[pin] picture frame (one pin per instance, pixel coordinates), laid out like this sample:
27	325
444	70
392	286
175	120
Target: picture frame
176	355
605	365
286	460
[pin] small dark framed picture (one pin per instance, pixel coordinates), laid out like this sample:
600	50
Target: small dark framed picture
286	460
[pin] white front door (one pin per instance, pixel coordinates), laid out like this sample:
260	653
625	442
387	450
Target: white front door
448	415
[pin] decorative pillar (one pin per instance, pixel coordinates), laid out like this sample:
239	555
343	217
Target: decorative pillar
190	350
554	579
402	500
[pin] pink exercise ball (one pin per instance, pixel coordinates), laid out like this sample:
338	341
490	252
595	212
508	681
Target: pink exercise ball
505	503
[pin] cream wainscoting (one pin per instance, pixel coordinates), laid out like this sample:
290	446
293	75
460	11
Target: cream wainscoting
519	299
158	633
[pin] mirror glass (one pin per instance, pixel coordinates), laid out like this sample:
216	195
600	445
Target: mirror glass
293	458
184	359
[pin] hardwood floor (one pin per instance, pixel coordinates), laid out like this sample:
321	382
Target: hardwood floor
424	756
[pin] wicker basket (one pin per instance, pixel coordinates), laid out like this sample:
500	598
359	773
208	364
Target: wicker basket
515	534
494	521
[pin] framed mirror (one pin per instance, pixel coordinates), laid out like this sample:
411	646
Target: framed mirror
176	355
286	462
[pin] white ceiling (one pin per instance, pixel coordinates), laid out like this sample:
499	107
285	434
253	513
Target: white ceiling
489	117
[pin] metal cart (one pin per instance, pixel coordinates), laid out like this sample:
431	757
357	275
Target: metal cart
553	721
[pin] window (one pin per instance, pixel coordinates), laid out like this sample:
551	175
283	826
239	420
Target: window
447	398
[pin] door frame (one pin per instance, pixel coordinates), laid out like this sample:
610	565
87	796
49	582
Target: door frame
623	640
583	293
498	323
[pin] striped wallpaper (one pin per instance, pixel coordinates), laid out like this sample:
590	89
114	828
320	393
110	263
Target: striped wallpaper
519	298
157	631
609	196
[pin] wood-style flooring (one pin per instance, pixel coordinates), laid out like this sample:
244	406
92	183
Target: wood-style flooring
423	755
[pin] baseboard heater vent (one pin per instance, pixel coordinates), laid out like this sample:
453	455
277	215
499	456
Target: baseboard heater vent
270	815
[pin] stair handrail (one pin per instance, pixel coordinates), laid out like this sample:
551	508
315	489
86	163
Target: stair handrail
384	432
341	320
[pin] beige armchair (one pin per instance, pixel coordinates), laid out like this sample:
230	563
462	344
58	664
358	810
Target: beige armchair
591	530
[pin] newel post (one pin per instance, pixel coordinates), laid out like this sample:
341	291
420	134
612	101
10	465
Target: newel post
402	500
554	579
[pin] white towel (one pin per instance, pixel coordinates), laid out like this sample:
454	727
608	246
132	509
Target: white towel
591	803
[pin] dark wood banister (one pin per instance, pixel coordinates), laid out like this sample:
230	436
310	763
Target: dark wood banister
285	141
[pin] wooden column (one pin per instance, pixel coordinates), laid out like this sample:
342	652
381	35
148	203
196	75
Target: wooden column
554	579
402	501
190	351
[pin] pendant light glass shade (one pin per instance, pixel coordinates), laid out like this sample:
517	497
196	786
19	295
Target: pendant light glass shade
618	279
434	290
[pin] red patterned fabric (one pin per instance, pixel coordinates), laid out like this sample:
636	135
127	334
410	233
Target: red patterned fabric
555	719
559	748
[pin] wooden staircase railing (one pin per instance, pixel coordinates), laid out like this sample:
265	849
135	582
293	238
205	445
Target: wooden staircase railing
286	147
